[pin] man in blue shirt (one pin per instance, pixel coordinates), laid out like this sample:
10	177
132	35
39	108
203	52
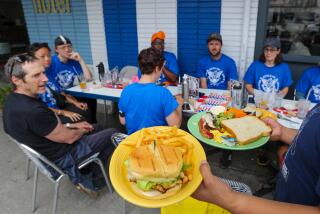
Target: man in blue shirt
145	104
309	84
67	65
217	69
170	71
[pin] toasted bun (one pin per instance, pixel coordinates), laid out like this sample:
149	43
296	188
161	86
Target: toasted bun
154	194
155	162
246	129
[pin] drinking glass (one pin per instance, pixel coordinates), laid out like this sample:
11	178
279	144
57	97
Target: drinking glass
114	78
303	108
82	82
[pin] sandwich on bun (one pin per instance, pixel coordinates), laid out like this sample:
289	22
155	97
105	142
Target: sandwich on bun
156	170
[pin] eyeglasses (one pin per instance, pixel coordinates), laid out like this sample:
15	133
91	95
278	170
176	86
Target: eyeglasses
270	50
64	47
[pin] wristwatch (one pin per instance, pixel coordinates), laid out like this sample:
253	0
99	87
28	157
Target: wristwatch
68	125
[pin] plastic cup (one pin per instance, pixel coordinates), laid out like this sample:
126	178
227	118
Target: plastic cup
303	108
83	82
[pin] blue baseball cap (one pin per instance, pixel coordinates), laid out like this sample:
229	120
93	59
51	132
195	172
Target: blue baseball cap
272	42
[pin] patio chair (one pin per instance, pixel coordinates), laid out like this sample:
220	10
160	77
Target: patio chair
53	172
127	72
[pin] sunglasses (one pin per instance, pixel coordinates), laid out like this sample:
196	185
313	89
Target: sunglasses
21	58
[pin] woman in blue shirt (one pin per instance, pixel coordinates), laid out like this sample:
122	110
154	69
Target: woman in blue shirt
269	73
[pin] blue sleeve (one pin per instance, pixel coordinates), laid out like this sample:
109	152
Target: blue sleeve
123	101
249	76
303	84
77	68
139	73
172	63
233	74
201	71
287	78
169	102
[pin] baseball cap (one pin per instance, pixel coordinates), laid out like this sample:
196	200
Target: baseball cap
272	42
214	36
158	35
62	40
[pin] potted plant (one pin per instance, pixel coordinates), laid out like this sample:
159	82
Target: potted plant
4	91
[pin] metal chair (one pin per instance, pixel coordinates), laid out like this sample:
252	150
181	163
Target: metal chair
42	163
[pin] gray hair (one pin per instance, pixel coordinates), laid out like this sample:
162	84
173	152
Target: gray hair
13	67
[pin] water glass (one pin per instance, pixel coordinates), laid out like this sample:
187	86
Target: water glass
303	108
82	82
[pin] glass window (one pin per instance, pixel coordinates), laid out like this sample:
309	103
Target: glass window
297	24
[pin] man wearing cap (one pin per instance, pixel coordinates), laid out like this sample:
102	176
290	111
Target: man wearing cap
269	73
170	71
217	69
67	65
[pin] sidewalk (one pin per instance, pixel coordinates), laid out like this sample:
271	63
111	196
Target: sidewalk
16	193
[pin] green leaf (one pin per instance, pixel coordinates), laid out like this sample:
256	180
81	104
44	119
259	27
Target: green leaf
145	185
185	167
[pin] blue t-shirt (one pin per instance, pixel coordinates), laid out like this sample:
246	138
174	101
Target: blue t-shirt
171	64
48	97
268	79
63	73
217	72
310	80
146	105
299	179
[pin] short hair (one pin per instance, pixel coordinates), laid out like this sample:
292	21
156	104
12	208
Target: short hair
62	40
277	61
149	59
13	67
34	47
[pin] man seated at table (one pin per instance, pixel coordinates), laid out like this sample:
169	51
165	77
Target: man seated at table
28	120
170	71
216	70
308	85
67	65
145	104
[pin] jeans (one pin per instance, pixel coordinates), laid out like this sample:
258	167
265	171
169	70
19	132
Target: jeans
97	141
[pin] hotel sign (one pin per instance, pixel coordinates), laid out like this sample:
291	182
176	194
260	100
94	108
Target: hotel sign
52	6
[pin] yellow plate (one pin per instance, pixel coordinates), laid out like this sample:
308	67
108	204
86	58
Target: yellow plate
118	173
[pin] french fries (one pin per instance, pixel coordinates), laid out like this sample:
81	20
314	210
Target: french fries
169	136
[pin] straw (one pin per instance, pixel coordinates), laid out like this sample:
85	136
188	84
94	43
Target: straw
309	92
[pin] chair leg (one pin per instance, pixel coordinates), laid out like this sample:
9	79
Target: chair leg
34	194
27	169
98	161
55	197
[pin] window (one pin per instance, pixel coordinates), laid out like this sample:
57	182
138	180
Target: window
297	24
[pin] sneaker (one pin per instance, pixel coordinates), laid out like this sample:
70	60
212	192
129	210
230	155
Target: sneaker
225	160
89	192
263	159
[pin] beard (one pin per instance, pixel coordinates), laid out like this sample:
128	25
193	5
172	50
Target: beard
215	53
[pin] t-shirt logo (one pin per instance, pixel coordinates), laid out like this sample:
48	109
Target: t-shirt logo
64	78
268	83
215	76
316	91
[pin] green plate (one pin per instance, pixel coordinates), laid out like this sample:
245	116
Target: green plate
194	130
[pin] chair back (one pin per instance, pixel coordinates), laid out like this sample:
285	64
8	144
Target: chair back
127	72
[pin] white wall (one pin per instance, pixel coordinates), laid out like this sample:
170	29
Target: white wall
97	34
155	15
232	19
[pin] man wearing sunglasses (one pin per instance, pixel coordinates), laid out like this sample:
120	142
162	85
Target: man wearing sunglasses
170	71
27	119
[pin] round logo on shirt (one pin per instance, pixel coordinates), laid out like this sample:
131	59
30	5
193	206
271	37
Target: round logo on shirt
316	91
64	78
215	76
268	83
